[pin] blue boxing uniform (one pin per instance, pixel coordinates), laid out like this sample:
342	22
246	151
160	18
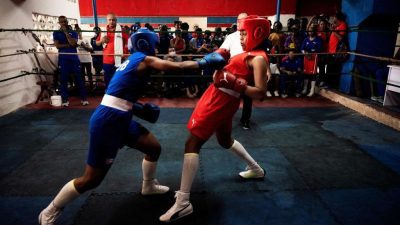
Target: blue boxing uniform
111	125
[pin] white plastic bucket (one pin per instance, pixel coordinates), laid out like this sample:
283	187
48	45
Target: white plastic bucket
55	100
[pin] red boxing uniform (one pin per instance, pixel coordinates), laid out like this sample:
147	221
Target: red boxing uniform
216	108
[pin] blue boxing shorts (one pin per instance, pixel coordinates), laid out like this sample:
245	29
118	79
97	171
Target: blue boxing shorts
111	129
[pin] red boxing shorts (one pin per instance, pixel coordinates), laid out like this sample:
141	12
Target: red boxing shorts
213	112
310	64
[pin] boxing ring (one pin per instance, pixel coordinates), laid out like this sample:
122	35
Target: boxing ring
325	164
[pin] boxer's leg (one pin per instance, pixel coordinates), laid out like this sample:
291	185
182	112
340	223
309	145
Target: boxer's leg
91	178
182	206
253	170
140	138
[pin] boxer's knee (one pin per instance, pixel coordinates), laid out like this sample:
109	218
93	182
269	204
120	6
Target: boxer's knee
193	144
224	140
153	152
86	183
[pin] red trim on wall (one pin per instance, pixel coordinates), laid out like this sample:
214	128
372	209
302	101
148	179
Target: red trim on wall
186	8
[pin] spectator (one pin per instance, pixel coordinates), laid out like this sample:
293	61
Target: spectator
277	36
115	43
232	43
165	40
274	62
98	50
65	41
323	33
186	36
289	24
172	85
293	40
178	43
207	46
84	49
196	43
311	45
135	27
291	68
338	34
218	38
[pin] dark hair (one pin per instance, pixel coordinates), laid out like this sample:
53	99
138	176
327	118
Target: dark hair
185	26
340	16
178	32
278	25
234	27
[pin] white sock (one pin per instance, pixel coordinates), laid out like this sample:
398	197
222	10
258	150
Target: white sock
66	195
240	151
149	170
189	170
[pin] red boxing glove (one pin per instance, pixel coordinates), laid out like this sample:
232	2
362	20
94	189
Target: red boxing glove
224	53
227	80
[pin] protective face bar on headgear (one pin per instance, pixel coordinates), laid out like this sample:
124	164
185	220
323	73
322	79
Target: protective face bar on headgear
257	30
145	41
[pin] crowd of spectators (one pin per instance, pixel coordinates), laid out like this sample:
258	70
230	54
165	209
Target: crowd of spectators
297	69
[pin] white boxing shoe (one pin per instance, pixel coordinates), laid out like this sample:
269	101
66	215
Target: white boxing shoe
253	173
181	208
152	187
49	218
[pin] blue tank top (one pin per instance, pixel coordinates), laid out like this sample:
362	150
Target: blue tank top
126	84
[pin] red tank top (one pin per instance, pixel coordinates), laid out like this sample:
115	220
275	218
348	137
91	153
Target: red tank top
238	64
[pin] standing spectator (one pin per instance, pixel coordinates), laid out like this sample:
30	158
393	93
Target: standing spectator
311	45
65	41
115	43
232	43
186	36
323	33
164	40
277	36
291	68
338	34
97	59
84	49
274	62
294	39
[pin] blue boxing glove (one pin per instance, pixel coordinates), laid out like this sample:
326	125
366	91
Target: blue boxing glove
216	60
147	111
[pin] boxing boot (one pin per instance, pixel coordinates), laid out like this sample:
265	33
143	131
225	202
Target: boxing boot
181	208
152	187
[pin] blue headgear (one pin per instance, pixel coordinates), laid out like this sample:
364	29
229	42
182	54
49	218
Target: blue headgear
144	41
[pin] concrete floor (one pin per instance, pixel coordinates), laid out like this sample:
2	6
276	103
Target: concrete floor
325	164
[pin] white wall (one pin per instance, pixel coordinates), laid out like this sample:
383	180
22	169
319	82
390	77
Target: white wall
18	92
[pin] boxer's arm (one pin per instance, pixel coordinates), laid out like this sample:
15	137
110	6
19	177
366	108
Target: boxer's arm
160	64
259	66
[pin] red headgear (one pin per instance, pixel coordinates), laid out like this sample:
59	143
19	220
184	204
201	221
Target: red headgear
257	29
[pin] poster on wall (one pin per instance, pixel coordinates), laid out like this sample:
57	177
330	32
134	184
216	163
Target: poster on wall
45	25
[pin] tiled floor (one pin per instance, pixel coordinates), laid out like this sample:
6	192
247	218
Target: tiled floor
325	164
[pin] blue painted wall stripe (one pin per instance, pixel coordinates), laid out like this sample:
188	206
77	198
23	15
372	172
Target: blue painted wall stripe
221	19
